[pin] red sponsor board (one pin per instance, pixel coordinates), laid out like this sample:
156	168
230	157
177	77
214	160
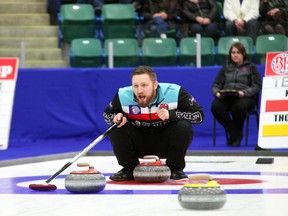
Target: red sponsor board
276	64
8	68
276	105
8	77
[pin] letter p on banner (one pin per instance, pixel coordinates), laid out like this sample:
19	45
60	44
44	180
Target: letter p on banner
8	77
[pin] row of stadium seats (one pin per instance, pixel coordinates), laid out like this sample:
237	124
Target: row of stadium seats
79	20
116	21
91	52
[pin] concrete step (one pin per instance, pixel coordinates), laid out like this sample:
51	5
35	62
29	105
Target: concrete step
33	54
29	19
29	31
44	64
29	42
24	7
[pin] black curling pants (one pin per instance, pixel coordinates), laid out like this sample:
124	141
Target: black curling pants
171	142
238	107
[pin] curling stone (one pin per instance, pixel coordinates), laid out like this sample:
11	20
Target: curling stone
151	172
201	193
87	181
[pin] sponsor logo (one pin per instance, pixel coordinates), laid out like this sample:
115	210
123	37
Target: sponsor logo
244	69
191	101
134	109
279	64
164	106
8	68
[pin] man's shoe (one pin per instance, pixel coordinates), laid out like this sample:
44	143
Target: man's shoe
178	175
122	175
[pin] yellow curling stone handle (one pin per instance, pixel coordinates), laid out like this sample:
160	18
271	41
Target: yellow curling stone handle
209	184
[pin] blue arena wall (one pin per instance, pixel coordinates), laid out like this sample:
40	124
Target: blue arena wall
67	104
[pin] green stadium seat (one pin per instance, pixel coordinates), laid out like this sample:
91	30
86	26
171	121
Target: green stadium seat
159	52
187	54
220	1
269	43
77	21
224	44
118	21
125	52
221	19
86	52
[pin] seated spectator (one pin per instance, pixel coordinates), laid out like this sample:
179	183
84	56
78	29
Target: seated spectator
241	77
274	14
241	17
159	16
201	16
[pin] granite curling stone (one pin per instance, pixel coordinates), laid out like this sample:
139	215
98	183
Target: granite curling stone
202	193
151	172
87	181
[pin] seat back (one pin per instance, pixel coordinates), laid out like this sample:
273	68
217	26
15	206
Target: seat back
220	11
118	21
220	18
125	52
159	52
86	52
269	43
187	54
225	43
77	21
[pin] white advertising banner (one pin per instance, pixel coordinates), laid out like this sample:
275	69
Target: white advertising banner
8	78
273	127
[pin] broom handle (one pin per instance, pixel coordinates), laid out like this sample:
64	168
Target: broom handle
90	146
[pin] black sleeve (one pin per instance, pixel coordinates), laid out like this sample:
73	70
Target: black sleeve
213	13
113	108
219	81
188	109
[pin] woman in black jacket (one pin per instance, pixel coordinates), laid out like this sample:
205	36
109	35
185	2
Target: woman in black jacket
236	88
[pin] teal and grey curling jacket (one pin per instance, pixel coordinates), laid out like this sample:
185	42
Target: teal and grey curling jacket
179	103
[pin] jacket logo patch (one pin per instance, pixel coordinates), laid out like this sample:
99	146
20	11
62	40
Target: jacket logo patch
164	106
244	69
191	101
135	110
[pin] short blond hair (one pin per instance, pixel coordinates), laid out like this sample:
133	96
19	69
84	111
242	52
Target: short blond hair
145	70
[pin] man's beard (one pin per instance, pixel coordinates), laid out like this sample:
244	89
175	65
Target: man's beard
143	104
146	103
